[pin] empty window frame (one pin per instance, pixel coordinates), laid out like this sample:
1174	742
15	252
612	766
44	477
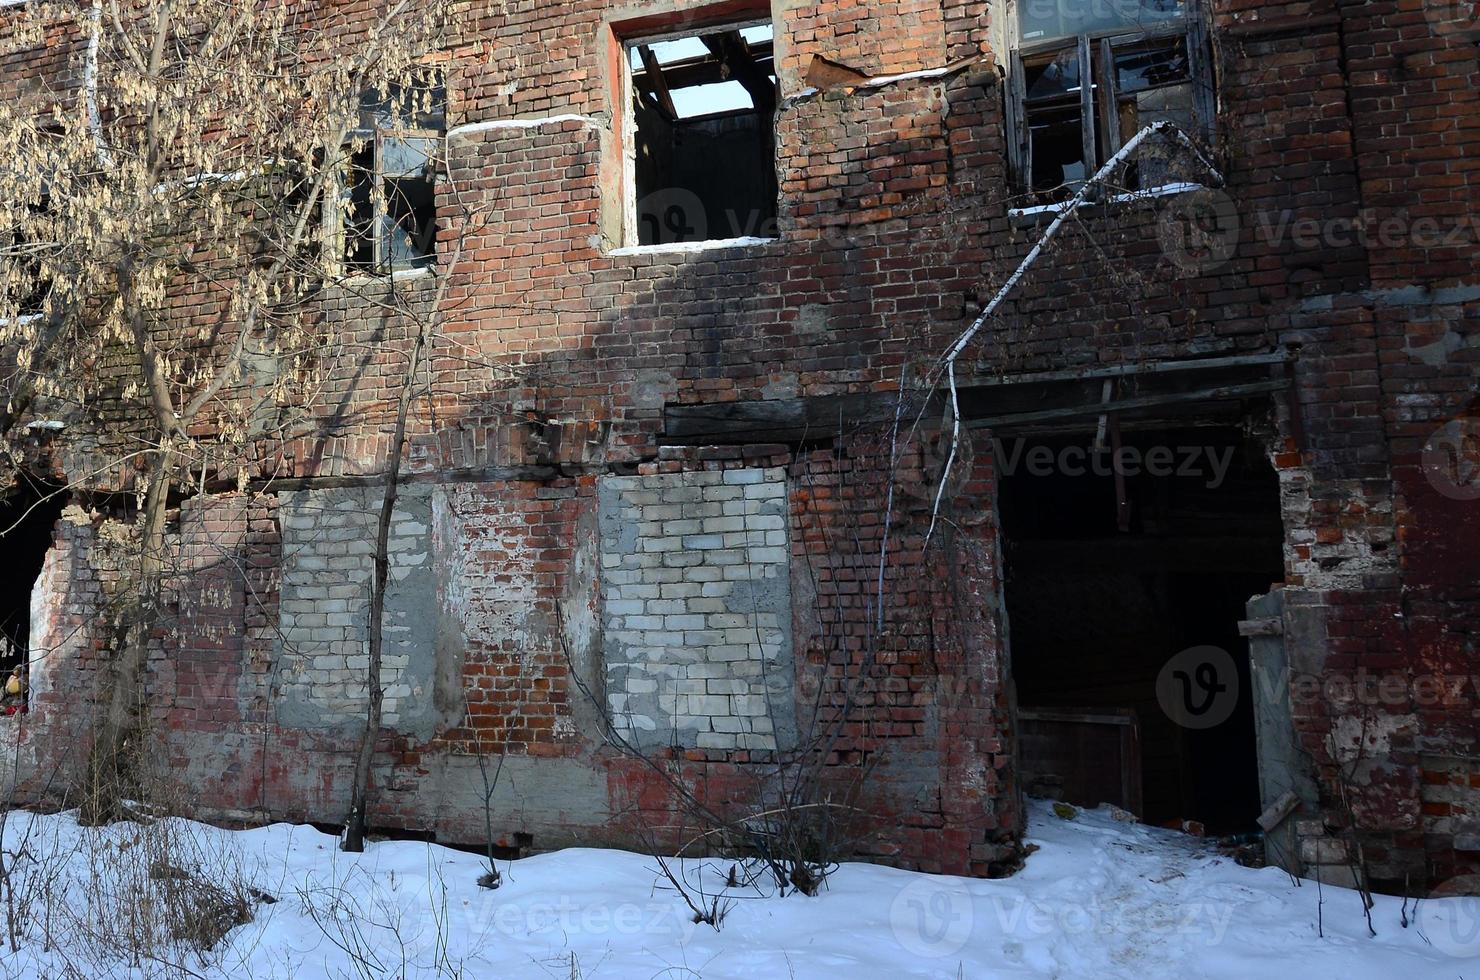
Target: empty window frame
1086	76
390	180
701	150
25	281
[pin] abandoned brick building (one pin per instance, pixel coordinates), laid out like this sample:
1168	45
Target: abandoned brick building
698	488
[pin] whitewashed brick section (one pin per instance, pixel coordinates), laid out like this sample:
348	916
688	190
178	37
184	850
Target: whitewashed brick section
328	558
697	608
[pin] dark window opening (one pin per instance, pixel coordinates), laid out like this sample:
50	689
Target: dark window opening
390	188
1096	614
1087	78
27	284
27	519
703	160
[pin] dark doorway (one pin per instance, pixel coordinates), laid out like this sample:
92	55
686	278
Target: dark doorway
27	518
1105	586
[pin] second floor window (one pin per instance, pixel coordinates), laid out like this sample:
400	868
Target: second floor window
702	163
390	181
1088	74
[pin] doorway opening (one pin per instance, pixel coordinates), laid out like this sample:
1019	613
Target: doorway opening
1108	579
27	518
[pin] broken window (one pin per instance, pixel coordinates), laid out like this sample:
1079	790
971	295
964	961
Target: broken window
390	185
25	282
702	159
1089	76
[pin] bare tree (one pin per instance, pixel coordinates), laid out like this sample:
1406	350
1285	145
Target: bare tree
172	200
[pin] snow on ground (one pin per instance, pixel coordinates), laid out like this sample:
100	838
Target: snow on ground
1099	899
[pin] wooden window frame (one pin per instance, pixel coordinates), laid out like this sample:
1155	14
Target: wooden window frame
624	37
374	136
1094	54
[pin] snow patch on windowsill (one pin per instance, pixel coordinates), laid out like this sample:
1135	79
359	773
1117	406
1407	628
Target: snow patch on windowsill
398	275
1165	190
747	241
469	129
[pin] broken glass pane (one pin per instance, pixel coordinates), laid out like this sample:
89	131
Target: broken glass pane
1055	146
409	227
1148	65
421	104
409	157
1052	76
359	219
1173	104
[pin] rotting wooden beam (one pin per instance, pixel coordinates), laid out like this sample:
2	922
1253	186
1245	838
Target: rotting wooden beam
734	54
652	79
1089	409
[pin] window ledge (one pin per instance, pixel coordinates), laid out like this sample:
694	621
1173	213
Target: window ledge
1040	212
680	248
399	275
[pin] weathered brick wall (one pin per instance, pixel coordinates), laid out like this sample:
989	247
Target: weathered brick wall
558	354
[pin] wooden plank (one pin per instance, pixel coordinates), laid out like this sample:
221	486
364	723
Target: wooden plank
1087	110
1109	110
1137	368
1129	404
735	55
1086	716
1261	627
991	405
652	79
